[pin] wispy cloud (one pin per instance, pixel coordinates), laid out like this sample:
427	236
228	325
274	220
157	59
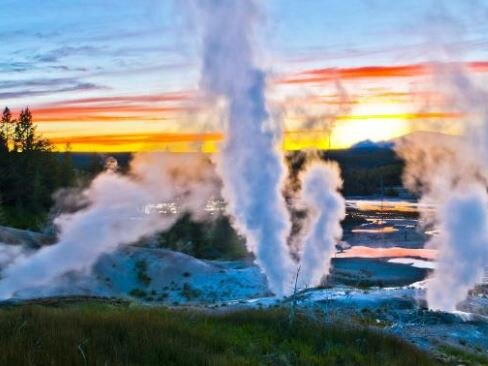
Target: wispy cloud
150	98
15	66
13	89
55	55
112	108
45	82
370	72
30	93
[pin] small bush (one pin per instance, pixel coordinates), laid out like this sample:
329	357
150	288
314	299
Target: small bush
189	293
138	293
141	272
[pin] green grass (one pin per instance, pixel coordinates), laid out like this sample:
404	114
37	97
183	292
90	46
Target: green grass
457	355
116	335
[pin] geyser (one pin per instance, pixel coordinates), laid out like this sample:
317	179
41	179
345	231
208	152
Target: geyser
463	247
113	217
320	193
451	172
250	163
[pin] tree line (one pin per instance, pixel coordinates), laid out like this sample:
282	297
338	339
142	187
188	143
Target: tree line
29	173
364	171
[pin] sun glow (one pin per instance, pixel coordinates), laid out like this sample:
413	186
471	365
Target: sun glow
376	116
371	121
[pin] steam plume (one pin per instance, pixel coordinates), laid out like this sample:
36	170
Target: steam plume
250	164
112	218
320	184
463	238
452	172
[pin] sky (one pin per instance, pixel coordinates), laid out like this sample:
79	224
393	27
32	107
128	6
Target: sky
123	75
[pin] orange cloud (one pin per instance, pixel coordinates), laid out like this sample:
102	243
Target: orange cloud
404	116
478	66
151	98
138	141
370	72
151	138
139	107
89	122
101	113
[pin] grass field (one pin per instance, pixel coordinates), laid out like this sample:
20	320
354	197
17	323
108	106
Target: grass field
94	334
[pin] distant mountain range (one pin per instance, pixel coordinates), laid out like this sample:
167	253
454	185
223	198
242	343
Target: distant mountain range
368	144
390	144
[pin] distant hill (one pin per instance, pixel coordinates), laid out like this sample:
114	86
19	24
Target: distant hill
368	144
363	158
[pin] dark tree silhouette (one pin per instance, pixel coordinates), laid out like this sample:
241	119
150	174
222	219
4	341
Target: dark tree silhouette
25	136
30	174
6	125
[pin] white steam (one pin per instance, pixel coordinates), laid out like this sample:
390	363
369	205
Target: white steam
320	185
250	162
114	217
451	171
463	248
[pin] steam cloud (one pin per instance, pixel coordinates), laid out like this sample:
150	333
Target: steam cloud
250	163
452	173
463	248
111	218
320	185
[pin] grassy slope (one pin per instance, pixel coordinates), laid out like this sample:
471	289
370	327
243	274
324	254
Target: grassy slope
105	335
459	356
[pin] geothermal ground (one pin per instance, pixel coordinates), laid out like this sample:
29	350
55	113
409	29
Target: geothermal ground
378	278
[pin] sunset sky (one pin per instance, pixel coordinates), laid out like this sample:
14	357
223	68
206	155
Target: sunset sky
123	75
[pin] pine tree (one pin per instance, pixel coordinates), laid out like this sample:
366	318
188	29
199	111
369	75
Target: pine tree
5	129
24	132
25	137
